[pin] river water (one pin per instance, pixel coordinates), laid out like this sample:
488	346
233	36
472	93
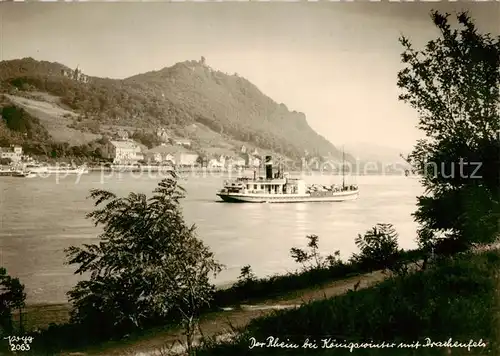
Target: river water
40	217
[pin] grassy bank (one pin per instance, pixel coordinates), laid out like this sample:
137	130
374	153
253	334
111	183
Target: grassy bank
280	285
63	336
40	316
456	298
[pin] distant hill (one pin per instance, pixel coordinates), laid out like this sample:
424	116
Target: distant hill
369	152
227	110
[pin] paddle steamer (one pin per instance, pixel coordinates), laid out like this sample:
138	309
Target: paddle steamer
280	188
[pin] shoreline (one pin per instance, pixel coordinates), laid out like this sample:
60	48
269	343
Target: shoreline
216	323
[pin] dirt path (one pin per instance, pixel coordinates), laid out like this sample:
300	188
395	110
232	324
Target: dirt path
224	322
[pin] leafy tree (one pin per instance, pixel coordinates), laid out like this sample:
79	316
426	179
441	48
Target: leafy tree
12	296
312	259
454	84
378	248
148	139
202	159
246	276
148	264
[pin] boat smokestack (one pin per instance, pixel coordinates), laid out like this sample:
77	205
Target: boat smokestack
269	167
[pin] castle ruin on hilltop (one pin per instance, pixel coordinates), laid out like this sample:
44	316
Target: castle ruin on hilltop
76	74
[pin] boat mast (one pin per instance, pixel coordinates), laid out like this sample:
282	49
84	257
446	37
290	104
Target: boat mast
343	167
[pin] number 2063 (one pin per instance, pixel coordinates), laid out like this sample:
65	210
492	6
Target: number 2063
19	347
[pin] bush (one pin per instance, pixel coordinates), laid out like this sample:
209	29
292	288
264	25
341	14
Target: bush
453	299
312	259
12	296
148	264
379	248
458	159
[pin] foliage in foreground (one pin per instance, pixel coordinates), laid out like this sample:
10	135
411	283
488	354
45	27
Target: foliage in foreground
12	297
317	269
147	265
453	298
454	84
248	289
379	249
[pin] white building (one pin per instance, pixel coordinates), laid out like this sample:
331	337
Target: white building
236	162
160	154
186	158
14	153
124	152
215	163
76	74
222	160
182	142
123	135
252	161
175	154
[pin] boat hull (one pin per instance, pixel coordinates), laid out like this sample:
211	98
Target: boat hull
45	171
287	198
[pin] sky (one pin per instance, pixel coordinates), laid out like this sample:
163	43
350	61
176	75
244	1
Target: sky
335	62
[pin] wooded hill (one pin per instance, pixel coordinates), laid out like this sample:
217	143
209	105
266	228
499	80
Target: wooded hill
175	97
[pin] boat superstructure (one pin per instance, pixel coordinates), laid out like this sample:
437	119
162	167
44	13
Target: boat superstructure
280	188
12	172
57	169
23	174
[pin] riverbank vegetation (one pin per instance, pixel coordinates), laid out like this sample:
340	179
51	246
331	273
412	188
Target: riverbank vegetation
454	298
12	298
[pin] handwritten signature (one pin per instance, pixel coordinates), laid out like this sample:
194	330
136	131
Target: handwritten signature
19	343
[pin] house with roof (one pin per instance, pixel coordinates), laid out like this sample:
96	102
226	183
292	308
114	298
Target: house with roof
183	142
186	158
175	154
14	153
161	154
236	161
252	160
123	135
214	163
123	152
222	160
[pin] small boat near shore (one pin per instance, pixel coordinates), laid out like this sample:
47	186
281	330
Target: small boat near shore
6	172
16	173
280	188
21	174
134	168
